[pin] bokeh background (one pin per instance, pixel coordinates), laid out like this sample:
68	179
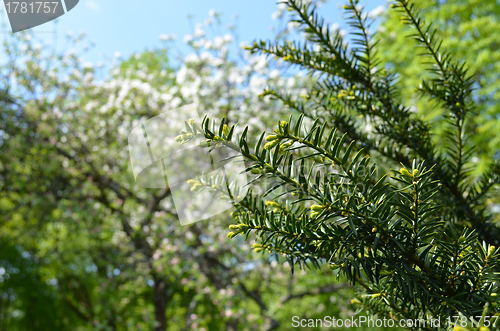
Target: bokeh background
82	247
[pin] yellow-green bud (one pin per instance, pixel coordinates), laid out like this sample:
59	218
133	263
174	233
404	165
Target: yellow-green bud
204	143
317	207
196	187
233	227
491	251
195	125
271	137
180	138
415	172
404	172
285	146
271	144
258	248
273	204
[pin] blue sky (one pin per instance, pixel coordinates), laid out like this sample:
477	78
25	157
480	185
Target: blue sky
127	26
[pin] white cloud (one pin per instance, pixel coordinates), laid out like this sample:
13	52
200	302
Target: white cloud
376	12
92	5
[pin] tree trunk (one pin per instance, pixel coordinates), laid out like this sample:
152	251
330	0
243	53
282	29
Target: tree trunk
160	302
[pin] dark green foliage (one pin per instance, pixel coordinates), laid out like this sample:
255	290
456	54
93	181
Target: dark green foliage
414	230
24	294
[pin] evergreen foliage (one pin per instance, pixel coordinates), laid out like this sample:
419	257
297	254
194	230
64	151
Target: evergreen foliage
414	230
